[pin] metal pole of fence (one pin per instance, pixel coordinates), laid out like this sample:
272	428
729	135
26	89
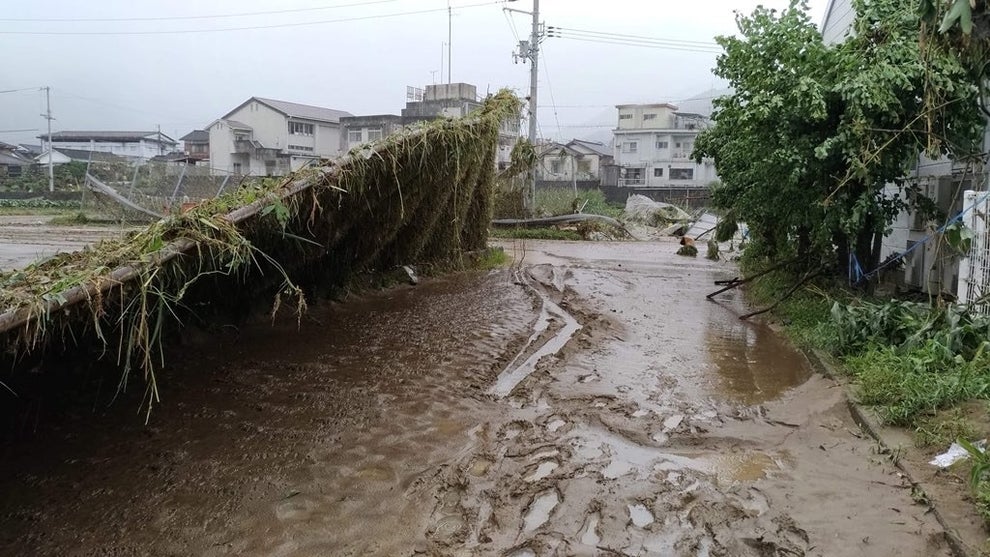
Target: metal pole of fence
178	184
223	185
130	190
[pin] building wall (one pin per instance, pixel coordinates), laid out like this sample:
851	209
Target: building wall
663	152
271	129
222	147
132	149
636	117
838	21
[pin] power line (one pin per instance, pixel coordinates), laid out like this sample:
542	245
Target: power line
247	28
604	34
20	131
189	17
641	44
21	90
553	102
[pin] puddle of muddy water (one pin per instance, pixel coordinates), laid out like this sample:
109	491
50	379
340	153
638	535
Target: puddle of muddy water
540	510
753	364
515	373
542	471
640	516
589	534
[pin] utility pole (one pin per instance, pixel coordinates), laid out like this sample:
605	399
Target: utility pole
531	51
450	42
48	116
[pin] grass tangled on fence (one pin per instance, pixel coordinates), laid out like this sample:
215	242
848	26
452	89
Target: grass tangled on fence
422	195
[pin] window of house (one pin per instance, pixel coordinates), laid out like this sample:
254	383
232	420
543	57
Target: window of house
555	166
354	136
677	145
237	168
300	128
374	134
633	176
270	168
663	145
625	116
300	148
682	174
658	173
630	147
584	166
649	116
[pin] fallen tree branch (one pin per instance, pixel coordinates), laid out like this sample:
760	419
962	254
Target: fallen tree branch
807	276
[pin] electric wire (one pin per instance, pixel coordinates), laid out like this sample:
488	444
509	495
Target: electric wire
250	27
657	46
604	34
189	17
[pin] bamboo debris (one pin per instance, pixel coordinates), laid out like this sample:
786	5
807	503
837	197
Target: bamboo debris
421	195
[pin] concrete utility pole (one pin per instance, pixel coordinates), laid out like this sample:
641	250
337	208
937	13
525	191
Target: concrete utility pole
450	42
531	52
48	116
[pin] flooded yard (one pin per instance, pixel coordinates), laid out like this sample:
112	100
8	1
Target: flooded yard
589	401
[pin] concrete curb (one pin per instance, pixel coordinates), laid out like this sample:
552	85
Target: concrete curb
871	426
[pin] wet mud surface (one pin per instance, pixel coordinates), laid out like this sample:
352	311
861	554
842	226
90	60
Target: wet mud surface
587	402
25	239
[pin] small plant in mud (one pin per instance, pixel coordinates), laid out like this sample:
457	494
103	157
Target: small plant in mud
688	251
978	481
940	431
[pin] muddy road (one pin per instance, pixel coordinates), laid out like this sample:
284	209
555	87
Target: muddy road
25	239
587	402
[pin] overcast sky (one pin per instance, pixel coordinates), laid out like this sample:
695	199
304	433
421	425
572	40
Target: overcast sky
183	81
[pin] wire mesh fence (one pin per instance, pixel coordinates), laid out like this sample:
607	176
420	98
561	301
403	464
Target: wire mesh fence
129	191
974	270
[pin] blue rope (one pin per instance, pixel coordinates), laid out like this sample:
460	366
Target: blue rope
923	241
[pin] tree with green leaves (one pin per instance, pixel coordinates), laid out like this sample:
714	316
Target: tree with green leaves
813	147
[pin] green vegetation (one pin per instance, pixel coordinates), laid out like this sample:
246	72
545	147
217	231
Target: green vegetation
537	234
491	258
36	206
67	177
562	201
827	128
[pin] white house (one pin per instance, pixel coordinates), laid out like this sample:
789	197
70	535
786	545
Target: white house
653	145
576	161
927	267
128	144
267	137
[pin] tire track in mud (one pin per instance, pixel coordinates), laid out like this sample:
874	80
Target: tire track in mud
659	432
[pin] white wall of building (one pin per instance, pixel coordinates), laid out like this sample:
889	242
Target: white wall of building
838	21
660	158
132	149
270	128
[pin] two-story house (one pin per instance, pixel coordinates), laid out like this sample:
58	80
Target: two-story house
267	137
572	163
653	145
139	145
196	145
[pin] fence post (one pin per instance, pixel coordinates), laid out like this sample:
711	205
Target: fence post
178	184
130	191
223	185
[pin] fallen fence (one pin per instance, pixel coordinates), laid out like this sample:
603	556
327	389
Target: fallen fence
422	195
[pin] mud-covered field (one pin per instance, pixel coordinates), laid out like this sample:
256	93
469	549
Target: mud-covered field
437	420
25	239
